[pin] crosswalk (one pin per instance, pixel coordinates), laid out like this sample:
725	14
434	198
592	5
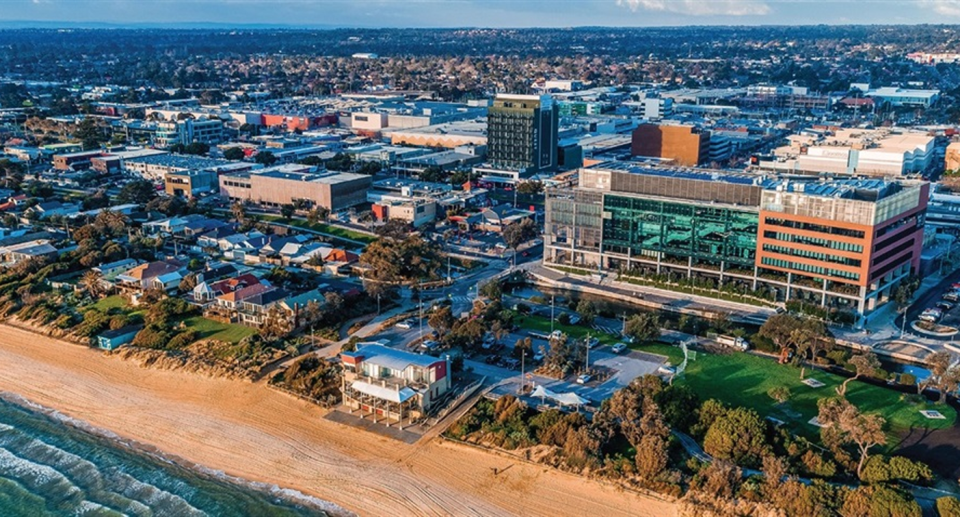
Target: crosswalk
462	299
607	329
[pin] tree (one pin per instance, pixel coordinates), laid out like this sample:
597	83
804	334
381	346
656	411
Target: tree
948	507
523	347
318	214
808	340
844	424
530	187
234	154
943	376
652	458
187	283
775	469
432	174
865	364
239	211
587	311
879	500
265	158
720	478
517	233
779	393
92	283
441	320
139	192
739	435
287	211
643	327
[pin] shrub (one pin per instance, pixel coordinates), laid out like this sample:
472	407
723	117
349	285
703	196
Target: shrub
908	379
948	507
779	393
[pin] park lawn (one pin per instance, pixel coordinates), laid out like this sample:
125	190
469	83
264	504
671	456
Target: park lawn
104	305
741	379
210	329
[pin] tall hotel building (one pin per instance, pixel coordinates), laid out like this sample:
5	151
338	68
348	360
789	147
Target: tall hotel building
840	244
522	133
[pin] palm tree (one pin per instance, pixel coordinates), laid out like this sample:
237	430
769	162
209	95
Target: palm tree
92	283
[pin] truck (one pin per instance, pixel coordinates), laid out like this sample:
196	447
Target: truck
735	342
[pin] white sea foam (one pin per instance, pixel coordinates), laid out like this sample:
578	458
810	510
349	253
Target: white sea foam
37	478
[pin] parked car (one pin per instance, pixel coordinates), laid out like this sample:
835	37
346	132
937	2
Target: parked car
405	325
952	296
619	347
592	342
945	305
932	315
583	378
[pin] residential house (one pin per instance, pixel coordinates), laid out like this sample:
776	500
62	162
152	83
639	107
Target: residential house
15	253
209	291
113	339
228	305
391	385
293	306
253	310
110	270
164	274
49	209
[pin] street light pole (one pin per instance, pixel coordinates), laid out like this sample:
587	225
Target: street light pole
551	312
523	381
587	360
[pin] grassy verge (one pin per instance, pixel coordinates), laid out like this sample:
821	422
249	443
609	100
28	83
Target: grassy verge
336	231
210	329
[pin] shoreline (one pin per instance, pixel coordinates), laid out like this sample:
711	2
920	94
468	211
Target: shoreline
288	495
252	433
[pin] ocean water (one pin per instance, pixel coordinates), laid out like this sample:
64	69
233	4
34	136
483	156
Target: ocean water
53	466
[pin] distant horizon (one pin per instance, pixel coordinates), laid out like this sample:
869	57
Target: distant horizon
512	14
40	24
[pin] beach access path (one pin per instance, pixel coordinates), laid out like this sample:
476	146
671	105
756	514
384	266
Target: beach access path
250	431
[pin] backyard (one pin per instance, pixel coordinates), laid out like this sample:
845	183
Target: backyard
210	329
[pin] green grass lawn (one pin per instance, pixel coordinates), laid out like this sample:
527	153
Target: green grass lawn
542	324
325	228
743	380
110	302
210	329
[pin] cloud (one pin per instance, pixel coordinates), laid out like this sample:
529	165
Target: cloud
944	7
711	7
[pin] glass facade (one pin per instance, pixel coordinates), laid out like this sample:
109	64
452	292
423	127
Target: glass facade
679	230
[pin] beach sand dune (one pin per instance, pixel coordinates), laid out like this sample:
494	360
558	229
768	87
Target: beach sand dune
250	431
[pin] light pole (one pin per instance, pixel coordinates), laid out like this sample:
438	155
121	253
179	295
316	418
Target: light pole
420	308
523	381
587	359
551	313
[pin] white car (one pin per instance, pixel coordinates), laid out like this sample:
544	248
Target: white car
619	347
405	325
583	379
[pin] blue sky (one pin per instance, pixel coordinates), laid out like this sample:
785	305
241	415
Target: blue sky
487	13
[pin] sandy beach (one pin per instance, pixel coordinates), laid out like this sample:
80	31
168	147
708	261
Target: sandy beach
250	431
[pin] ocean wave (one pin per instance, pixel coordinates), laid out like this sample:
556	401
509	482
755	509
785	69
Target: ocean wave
38	478
289	495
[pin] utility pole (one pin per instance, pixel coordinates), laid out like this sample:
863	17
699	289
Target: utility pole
420	308
623	329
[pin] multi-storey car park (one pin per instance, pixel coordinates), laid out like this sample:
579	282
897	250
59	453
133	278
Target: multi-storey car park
841	244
